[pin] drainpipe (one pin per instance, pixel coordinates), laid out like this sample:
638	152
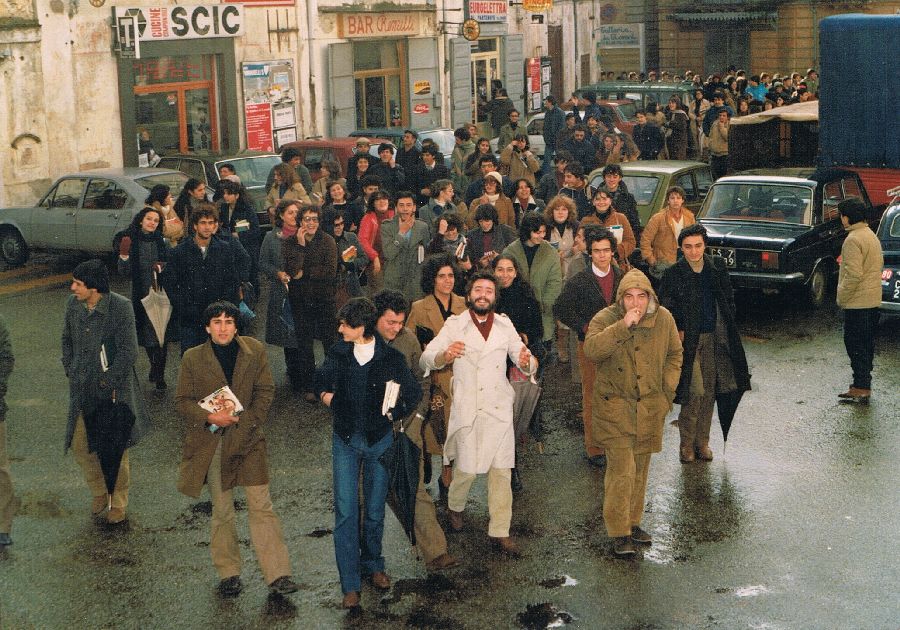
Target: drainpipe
312	12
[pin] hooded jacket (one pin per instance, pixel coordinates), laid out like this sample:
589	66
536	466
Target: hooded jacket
637	372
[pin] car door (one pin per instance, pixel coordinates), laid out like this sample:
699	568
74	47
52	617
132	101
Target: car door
827	224
54	221
98	219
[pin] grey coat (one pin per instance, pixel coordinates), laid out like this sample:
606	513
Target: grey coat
402	269
270	263
111	324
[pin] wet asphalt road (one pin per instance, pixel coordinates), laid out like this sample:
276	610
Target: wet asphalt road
796	526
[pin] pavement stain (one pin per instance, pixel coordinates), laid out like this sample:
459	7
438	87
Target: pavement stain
41	505
544	615
320	532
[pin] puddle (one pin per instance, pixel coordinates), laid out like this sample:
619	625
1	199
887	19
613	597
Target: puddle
556	582
546	615
320	532
751	591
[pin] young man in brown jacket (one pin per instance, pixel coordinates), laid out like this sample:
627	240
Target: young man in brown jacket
225	449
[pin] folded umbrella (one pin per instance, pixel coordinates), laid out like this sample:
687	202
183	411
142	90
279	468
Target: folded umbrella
401	460
527	393
727	404
159	310
108	426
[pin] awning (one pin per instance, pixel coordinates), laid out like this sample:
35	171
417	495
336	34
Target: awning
726	16
799	112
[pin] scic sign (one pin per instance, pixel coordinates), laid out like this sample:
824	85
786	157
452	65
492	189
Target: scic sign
185	22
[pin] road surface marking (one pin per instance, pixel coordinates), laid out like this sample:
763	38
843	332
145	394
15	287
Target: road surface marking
37	283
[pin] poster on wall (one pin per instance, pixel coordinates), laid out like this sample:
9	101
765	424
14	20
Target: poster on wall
269	104
537	82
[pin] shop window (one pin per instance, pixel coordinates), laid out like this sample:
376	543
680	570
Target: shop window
379	91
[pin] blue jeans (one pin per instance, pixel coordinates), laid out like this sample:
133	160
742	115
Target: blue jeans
358	556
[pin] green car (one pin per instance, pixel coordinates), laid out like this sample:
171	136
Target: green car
648	181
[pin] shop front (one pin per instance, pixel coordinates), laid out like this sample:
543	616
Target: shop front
177	87
385	73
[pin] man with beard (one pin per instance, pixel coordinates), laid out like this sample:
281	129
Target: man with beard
480	435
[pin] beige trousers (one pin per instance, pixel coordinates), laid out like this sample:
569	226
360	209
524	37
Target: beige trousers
265	528
430	539
695	417
8	501
499	497
93	474
624	487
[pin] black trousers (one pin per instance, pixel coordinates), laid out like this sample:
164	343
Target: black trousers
718	165
859	339
313	319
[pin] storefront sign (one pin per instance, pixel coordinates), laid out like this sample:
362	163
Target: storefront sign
269	99
421	88
620	36
488	10
259	127
421	108
352	25
183	22
537	6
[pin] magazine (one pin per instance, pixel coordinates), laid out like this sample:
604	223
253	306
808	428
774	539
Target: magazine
221	399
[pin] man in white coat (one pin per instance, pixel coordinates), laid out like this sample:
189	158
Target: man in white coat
480	435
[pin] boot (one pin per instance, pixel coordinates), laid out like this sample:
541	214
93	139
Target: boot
703	452
856	395
687	454
515	481
151	356
161	355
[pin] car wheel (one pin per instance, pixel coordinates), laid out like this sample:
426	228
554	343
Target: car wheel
13	247
818	287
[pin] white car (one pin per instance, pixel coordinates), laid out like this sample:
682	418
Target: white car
535	130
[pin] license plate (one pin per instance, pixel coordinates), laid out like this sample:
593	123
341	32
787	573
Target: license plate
894	289
725	252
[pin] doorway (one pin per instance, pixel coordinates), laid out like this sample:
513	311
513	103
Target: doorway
485	71
381	94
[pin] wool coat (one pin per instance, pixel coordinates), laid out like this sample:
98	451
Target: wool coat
581	299
516	165
679	292
480	435
110	325
658	240
270	263
296	192
544	276
402	269
637	371
244	458
146	249
504	212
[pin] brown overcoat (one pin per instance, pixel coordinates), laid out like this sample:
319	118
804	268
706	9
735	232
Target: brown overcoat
244	459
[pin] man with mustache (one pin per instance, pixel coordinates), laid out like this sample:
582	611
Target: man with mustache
480	435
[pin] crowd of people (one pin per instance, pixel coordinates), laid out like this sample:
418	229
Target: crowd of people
427	305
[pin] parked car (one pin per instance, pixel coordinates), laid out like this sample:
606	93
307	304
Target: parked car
641	93
889	235
251	166
442	136
314	151
535	130
780	231
81	212
649	180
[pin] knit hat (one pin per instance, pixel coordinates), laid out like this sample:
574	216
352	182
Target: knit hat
93	274
497	176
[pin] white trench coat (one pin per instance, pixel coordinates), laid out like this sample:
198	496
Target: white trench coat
480	434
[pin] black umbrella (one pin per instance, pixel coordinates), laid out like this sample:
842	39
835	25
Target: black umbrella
727	404
401	460
108	426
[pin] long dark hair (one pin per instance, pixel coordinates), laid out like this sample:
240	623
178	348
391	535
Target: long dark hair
158	194
183	203
430	268
134	228
519	282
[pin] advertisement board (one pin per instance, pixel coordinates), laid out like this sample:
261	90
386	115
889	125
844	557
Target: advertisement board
269	104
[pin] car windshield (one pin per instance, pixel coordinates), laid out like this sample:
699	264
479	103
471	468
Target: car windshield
627	110
253	171
443	138
758	202
174	180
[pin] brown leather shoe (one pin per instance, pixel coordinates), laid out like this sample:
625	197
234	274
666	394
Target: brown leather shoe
98	505
703	452
856	395
508	546
443	561
351	600
686	454
115	516
456	520
380	580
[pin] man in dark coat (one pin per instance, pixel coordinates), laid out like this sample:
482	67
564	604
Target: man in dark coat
584	295
409	157
647	137
554	121
391	174
427	173
698	292
498	110
8	503
201	270
582	150
99	348
622	200
224	446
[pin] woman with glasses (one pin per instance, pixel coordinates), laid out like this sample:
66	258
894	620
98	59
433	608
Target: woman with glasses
310	262
352	260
